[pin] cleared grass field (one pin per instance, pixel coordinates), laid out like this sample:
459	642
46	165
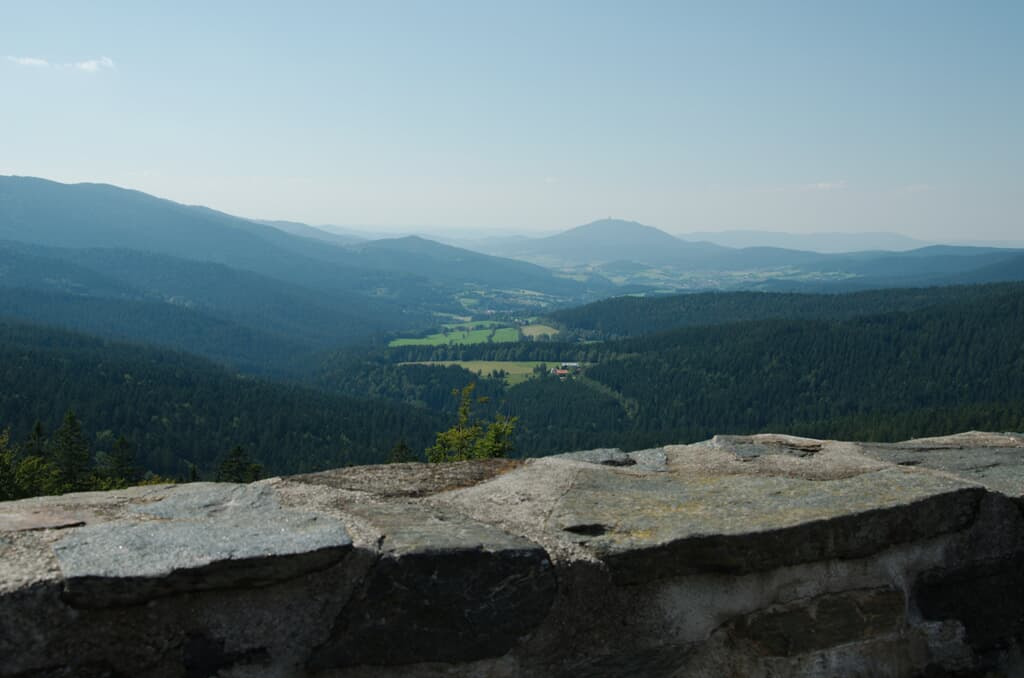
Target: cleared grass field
465	333
472	325
431	340
518	371
505	335
442	338
538	331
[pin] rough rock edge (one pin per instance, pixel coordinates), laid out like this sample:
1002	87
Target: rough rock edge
367	539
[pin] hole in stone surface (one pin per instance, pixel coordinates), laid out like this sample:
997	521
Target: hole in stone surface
909	462
802	450
623	461
589	529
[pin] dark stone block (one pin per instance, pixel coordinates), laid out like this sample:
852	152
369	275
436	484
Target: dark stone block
203	656
986	597
458	606
822	622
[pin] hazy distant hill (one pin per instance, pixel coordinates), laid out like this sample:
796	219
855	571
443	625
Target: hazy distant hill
611	240
458	266
159	324
411	273
616	240
252	321
34	267
816	242
101	216
932	265
307	231
1000	271
98	215
335	290
625	250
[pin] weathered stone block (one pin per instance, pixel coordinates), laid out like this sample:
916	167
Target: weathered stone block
986	597
761	556
204	536
822	622
445	589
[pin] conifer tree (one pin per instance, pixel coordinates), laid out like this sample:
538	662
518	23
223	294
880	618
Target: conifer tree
35	476
70	453
8	486
121	465
468	439
37	445
401	453
238	468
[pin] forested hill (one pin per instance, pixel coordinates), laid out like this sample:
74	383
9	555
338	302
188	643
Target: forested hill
407	272
179	410
254	350
636	316
939	369
232	316
947	368
896	375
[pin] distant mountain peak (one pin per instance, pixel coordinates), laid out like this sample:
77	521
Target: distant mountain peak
616	227
607	240
616	233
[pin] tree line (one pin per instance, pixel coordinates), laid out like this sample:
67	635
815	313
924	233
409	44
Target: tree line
889	376
622	317
941	368
181	411
65	461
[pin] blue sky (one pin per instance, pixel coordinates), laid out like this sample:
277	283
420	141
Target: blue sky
816	116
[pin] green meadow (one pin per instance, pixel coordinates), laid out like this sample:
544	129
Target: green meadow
517	371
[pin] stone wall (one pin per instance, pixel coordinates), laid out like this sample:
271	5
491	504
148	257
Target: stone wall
763	556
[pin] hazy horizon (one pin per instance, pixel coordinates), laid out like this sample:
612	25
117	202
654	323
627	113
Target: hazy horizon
535	117
830	241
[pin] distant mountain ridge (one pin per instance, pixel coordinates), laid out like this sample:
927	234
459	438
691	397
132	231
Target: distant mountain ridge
94	240
619	248
823	243
315	232
609	240
230	315
147	267
619	240
615	240
43	212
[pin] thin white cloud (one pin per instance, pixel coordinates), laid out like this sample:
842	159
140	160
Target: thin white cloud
93	65
87	66
29	61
